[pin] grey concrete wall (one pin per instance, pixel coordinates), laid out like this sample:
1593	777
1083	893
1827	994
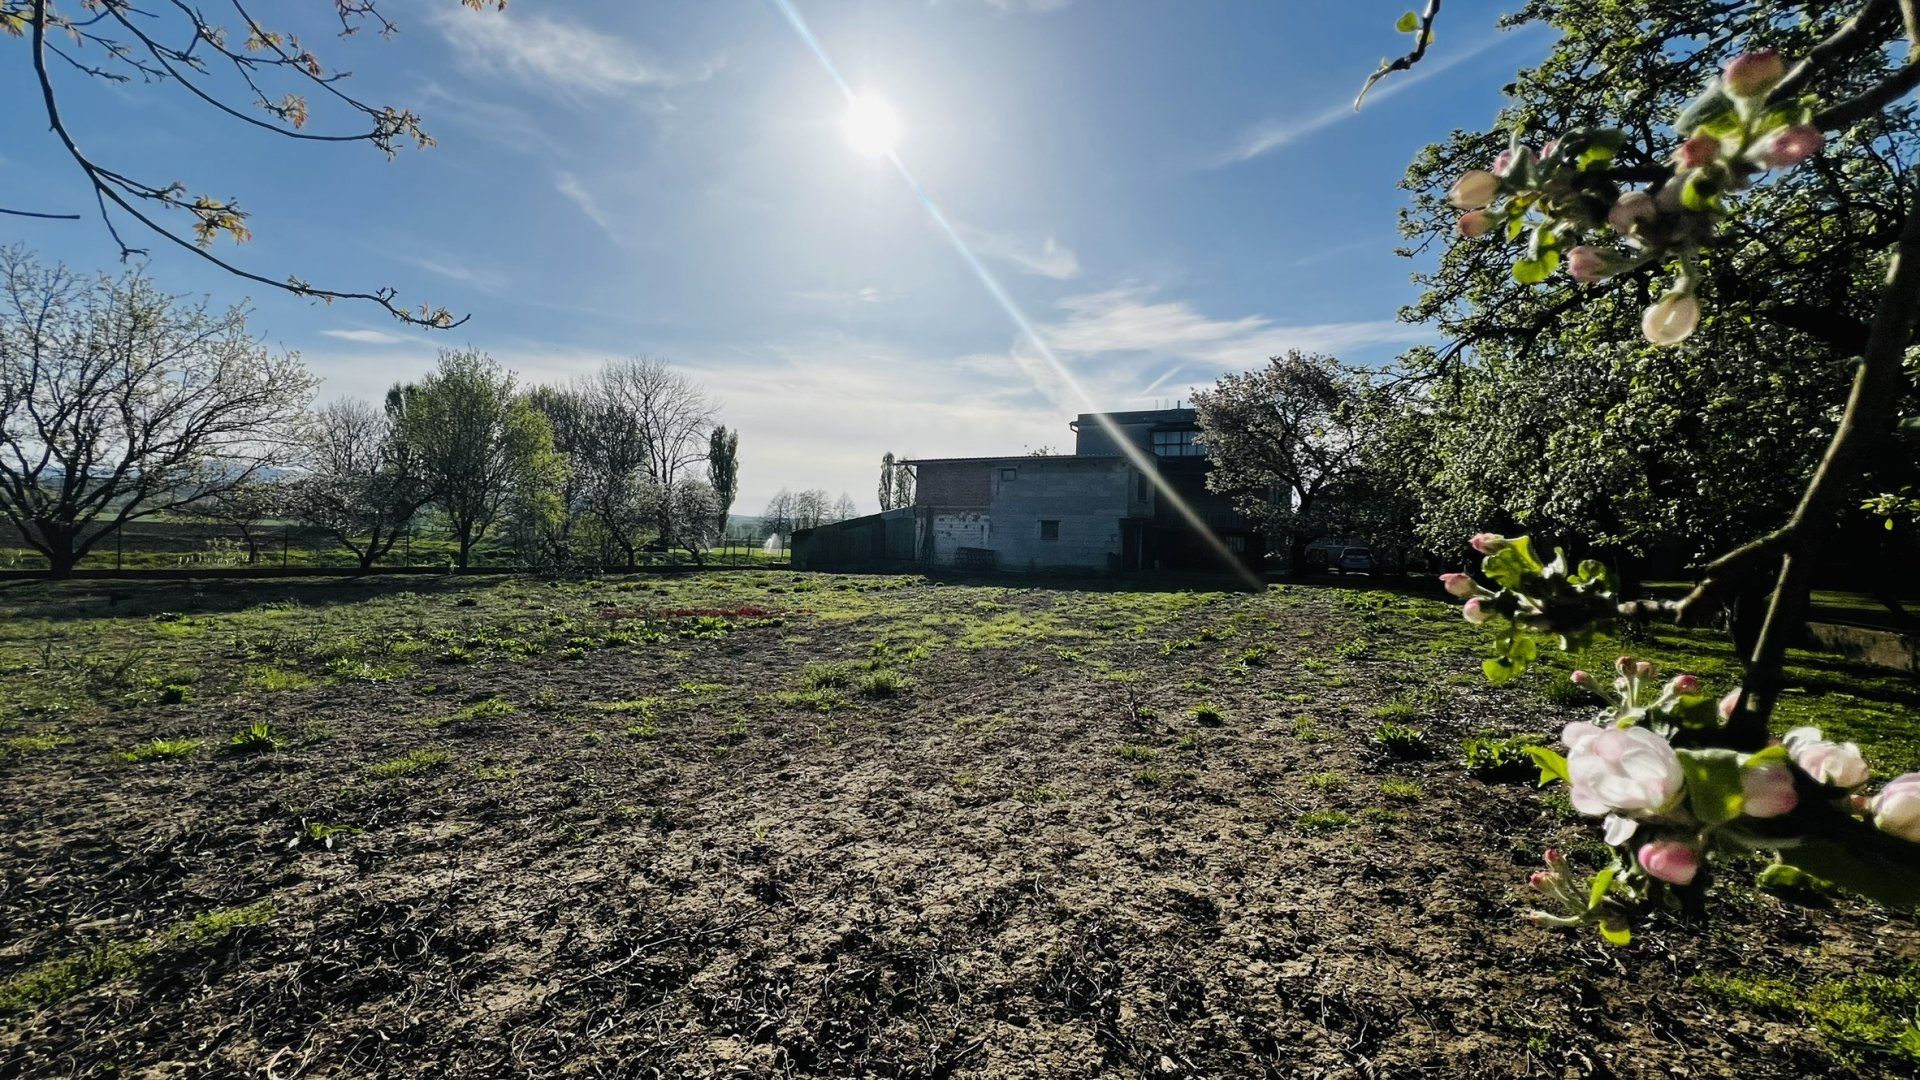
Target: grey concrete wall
955	530
1087	497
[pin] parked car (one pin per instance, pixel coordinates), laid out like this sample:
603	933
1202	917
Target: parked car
1355	560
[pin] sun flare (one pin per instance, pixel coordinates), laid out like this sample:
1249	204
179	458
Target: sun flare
871	126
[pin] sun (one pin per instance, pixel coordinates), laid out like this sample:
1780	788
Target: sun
871	126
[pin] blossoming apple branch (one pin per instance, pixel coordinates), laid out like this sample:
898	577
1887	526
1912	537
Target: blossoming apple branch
1678	777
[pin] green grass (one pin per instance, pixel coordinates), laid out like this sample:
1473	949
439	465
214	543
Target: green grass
1327	781
412	763
1136	752
1400	740
884	684
34	744
1207	714
823	700
1325	821
1861	1017
1402	790
53	981
161	749
257	737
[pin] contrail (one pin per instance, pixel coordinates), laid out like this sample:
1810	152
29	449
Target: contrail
1138	457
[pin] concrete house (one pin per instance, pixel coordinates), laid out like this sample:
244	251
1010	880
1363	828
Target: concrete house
1097	510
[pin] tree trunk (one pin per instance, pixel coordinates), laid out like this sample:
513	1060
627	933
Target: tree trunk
61	561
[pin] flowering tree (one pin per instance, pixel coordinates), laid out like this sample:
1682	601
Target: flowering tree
248	70
1681	775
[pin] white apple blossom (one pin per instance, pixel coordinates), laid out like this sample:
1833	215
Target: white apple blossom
1626	771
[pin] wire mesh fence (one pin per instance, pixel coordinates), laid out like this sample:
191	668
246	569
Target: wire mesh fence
166	544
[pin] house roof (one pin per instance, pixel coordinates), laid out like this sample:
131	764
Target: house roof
1024	459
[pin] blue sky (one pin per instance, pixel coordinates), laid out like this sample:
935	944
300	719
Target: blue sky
1169	190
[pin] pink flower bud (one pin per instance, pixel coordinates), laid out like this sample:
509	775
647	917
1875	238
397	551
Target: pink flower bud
1623	664
1488	543
1581	678
1670	861
1791	146
1459	584
1552	148
1587	264
1556	860
1684	684
1474	190
1503	161
1751	75
1697	152
1475	612
1729	703
1539	879
1769	790
1476	224
1632	210
1671	319
1643	670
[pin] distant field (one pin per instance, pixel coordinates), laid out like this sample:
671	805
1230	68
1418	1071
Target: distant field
763	823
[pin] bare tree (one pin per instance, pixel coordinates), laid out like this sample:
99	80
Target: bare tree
244	508
364	483
779	513
845	510
811	507
476	438
674	414
118	402
174	43
902	484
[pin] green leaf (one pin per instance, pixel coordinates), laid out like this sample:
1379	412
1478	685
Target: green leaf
1512	565
1772	755
1552	765
1893	883
1602	881
1614	931
1500	670
1532	271
1407	23
1714	787
1708	106
1782	876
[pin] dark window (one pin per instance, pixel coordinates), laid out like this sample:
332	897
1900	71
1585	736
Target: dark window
1049	530
1009	474
1176	444
1235	543
1143	487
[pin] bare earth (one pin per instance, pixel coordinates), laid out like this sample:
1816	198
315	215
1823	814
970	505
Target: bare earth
1033	862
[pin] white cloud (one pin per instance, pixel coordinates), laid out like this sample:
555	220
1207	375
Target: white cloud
569	185
1047	257
1271	135
568	58
365	337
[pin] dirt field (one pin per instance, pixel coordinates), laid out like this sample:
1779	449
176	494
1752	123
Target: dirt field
771	824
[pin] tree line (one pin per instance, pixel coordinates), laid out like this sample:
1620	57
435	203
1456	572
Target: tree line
120	402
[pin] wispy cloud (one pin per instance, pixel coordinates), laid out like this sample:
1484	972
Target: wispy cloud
1271	135
1122	345
568	58
1046	257
569	185
1014	6
366	337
